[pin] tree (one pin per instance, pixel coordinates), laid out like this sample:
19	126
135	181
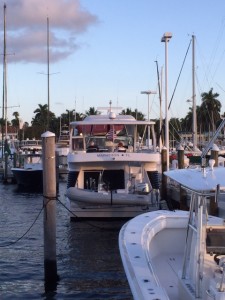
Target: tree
16	121
40	120
210	110
135	113
92	111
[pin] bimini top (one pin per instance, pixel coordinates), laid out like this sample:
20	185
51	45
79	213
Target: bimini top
198	180
111	119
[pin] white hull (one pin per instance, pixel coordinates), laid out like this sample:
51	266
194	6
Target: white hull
152	248
99	212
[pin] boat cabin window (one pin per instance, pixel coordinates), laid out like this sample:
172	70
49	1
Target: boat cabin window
111	179
78	144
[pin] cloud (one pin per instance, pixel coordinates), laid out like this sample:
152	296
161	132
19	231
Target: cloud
26	28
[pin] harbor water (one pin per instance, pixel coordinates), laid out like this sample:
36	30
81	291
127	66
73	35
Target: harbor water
88	260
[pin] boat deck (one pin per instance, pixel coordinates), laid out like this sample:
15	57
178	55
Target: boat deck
170	266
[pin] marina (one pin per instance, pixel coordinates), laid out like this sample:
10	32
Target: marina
112	202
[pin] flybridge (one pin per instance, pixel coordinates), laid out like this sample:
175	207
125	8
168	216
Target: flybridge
105	119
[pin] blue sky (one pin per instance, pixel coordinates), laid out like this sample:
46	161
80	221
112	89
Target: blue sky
102	50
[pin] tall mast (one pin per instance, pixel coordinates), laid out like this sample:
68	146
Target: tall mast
48	72
4	100
160	106
194	96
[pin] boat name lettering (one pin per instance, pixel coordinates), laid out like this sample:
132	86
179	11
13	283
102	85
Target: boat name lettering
112	155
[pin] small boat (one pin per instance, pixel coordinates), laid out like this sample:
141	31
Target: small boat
112	173
178	254
29	174
29	145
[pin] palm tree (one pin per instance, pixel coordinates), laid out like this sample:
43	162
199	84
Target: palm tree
92	111
41	114
40	120
15	122
135	113
210	110
187	121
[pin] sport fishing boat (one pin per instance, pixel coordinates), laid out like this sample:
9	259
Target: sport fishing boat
112	174
178	254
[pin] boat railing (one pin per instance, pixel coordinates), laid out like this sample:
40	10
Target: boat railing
197	229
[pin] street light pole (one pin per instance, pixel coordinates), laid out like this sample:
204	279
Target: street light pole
148	93
165	39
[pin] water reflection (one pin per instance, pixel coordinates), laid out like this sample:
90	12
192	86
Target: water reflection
88	260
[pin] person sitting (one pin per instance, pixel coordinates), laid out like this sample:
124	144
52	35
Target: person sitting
92	147
120	147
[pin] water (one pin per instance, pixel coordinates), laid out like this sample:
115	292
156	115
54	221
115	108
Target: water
88	259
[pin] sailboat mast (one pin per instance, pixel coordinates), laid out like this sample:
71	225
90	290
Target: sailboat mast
194	96
48	72
160	106
4	105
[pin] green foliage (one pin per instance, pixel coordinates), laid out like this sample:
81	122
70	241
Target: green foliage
208	118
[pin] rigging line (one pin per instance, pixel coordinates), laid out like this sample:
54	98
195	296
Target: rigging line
20	238
75	216
175	130
179	74
218	64
215	50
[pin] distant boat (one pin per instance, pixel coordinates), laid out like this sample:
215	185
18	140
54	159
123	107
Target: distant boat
178	255
106	180
30	145
30	174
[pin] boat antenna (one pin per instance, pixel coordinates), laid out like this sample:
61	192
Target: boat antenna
109	109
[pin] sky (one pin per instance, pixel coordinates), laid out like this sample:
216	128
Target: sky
102	50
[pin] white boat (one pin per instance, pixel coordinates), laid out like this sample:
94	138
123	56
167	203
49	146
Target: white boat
178	255
107	181
30	146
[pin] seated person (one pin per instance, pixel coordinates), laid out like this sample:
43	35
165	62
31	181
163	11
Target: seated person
120	147
92	147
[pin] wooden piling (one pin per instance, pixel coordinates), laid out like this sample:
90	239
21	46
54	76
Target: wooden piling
180	157
57	169
164	177
213	205
49	195
183	193
5	177
214	155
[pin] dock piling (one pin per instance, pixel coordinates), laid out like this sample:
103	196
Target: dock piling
49	202
183	193
164	178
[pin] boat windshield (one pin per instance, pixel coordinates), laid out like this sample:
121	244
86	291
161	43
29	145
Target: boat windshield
109	137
